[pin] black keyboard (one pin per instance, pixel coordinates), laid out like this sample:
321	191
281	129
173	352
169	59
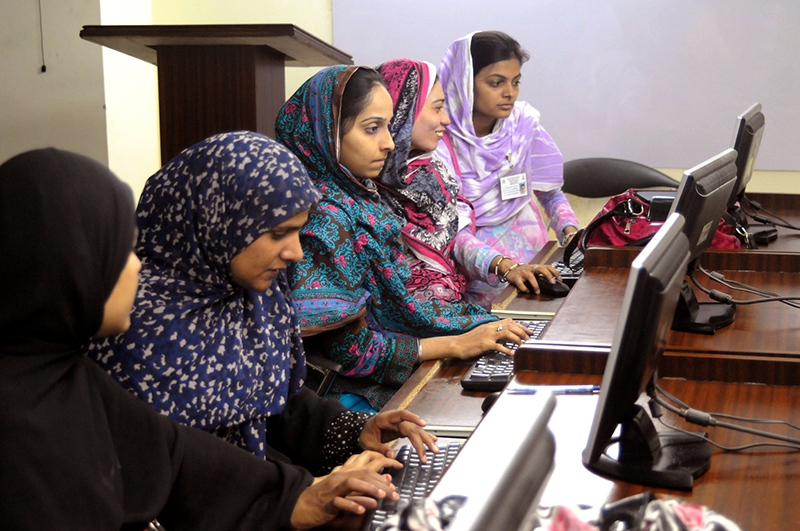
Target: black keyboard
570	273
493	370
414	481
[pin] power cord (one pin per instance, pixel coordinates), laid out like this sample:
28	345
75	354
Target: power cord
702	418
768	218
726	298
675	400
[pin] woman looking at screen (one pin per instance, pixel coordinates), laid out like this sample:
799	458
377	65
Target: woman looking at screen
351	286
423	191
214	341
507	160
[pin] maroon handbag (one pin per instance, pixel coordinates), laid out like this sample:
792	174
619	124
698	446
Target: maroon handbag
623	221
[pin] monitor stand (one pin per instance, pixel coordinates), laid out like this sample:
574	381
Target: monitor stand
670	460
700	317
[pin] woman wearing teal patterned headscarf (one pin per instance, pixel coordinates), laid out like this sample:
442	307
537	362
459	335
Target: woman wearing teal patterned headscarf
350	288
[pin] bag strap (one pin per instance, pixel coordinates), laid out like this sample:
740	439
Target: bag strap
628	208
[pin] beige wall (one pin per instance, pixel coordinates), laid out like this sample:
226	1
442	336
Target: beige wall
131	85
99	102
131	97
313	16
62	107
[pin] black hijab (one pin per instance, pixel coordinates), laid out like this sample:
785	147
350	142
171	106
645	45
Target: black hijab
66	231
76	450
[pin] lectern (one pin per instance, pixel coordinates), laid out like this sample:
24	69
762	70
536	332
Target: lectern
217	78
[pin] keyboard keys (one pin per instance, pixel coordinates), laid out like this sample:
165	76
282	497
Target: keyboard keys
570	273
415	480
492	370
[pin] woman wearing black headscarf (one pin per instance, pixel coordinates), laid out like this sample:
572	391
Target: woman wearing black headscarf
76	450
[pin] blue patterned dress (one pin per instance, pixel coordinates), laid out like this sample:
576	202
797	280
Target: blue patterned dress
201	349
350	288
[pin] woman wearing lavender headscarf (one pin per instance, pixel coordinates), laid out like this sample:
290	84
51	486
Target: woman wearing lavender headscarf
503	154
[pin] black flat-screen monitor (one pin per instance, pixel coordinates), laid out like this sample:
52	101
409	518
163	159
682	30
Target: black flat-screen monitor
746	141
638	453
502	469
702	198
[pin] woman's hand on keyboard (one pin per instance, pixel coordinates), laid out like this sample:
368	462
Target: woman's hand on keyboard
390	425
481	339
352	487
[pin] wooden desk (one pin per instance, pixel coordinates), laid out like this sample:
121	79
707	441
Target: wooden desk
758	489
759	346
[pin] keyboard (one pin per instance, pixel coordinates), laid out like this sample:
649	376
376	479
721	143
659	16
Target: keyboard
493	370
414	481
570	273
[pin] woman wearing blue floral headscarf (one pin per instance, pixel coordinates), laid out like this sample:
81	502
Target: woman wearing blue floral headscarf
214	340
350	289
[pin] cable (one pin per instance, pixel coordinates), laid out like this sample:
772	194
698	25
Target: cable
730	448
702	418
756	207
734	284
726	298
41	36
726	416
740	286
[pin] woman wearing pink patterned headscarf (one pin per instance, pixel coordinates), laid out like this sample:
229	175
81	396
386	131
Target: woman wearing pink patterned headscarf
416	184
507	160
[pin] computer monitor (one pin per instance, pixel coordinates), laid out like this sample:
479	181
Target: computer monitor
746	141
666	459
502	469
702	198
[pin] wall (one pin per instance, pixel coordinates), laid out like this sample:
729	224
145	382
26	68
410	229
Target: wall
63	106
131	96
656	82
313	16
99	102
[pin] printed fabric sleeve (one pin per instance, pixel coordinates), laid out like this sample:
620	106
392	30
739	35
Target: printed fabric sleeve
368	353
558	210
341	438
329	288
474	256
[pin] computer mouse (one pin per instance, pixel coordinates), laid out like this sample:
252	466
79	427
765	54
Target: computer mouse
555	289
489	401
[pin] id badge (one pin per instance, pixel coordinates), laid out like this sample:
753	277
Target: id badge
513	186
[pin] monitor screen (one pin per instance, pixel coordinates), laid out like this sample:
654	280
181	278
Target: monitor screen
639	454
746	141
702	197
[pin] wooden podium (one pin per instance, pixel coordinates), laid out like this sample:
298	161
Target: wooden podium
217	78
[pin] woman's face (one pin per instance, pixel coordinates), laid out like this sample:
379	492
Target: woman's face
257	266
365	146
496	90
117	310
429	125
